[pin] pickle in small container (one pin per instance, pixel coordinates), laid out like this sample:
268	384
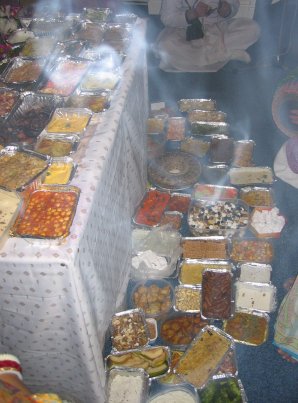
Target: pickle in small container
129	330
204	355
217	294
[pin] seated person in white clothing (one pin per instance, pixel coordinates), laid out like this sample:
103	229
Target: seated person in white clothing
224	38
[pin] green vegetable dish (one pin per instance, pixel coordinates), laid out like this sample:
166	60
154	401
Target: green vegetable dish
225	390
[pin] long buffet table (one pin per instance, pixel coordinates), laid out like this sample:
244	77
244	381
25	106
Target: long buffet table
56	300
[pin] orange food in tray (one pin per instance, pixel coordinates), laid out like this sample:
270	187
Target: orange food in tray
48	214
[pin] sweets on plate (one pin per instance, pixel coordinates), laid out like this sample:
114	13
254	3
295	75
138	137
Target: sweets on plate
267	222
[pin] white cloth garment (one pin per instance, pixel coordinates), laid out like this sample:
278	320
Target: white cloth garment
282	169
224	38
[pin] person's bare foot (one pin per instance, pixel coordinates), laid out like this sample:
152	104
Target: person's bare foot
287	357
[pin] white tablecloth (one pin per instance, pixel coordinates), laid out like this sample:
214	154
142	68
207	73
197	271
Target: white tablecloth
56	300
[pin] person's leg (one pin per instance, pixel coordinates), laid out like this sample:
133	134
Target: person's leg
240	33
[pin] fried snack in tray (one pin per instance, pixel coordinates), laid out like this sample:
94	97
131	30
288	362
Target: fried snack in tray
217	294
154	297
48	213
257	196
154	360
129	330
243	153
8	99
203	356
191	270
248	327
252	250
19	167
211	247
179	329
